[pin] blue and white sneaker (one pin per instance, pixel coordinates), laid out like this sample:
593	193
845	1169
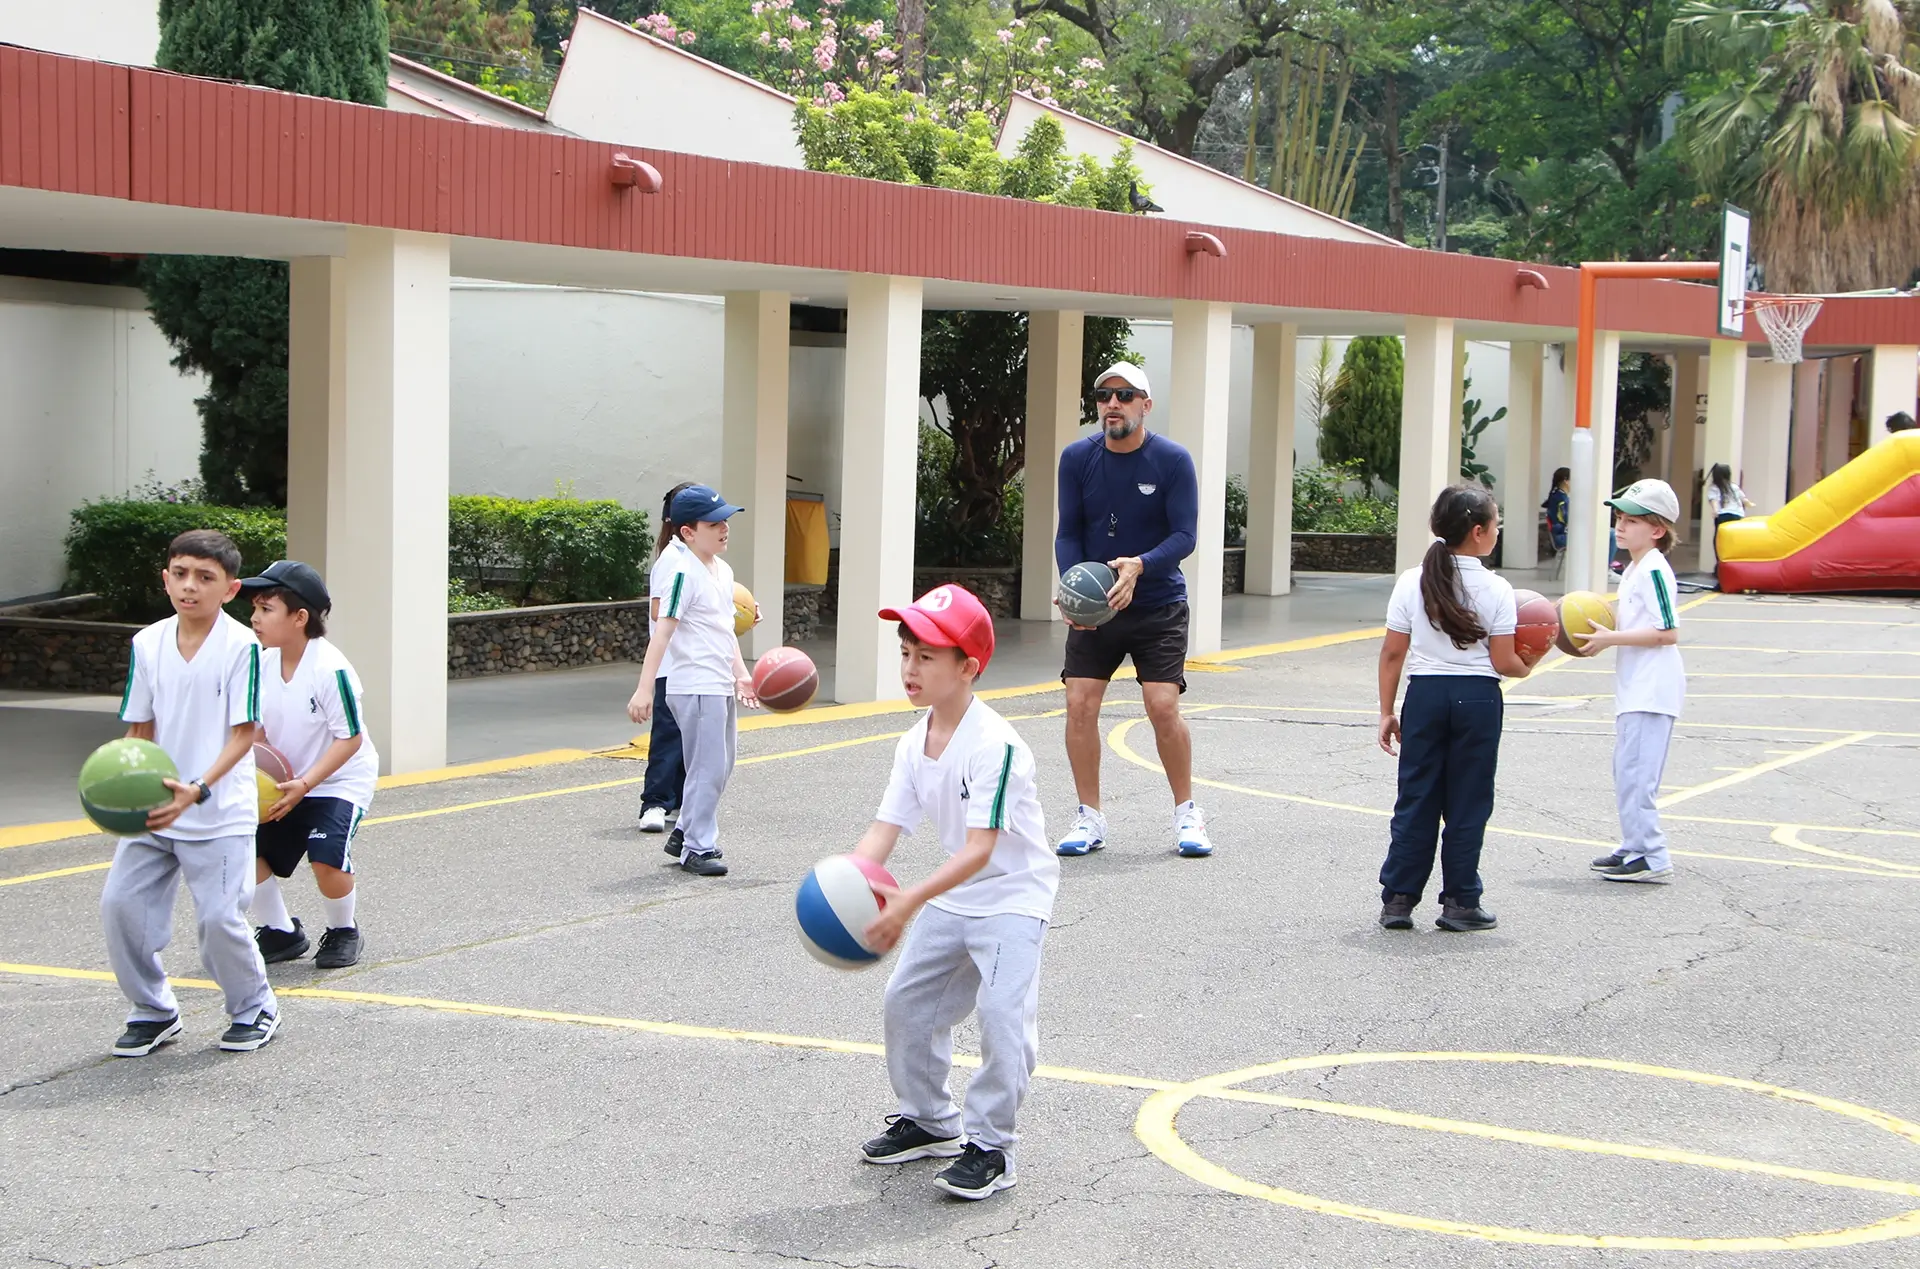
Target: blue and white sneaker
1088	834
1190	832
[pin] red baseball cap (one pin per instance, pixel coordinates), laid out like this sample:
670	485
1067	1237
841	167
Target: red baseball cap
949	617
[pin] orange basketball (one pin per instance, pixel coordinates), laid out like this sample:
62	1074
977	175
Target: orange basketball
785	680
1536	622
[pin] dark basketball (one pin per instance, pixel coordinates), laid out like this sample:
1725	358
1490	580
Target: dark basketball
785	680
1083	594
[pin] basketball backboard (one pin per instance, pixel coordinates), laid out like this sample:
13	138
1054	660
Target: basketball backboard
1734	228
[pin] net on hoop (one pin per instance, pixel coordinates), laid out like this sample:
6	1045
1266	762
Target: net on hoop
1785	319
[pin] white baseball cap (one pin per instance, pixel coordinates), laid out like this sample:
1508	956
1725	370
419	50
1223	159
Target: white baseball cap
1648	497
1128	371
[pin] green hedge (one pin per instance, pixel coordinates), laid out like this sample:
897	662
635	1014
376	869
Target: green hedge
118	549
550	550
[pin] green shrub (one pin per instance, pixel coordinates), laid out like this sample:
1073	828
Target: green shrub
1236	511
548	550
1324	502
460	599
118	549
941	539
1362	423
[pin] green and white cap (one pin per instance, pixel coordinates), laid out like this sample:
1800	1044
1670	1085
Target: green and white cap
1648	498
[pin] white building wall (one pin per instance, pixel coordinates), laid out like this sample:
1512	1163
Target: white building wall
123	31
620	86
92	407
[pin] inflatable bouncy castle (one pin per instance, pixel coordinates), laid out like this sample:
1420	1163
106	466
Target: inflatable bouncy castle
1859	529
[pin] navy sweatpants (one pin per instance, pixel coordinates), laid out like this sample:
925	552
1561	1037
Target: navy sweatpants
1449	746
666	766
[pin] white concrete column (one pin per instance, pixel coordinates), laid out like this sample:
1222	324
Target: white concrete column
1202	380
1726	411
1518	488
1803	454
1685	426
1457	393
316	405
753	454
1588	519
1764	447
1055	341
1270	459
1893	383
879	447
1836	422
1424	433
388	555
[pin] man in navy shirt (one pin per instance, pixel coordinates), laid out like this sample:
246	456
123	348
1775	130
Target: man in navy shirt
1129	497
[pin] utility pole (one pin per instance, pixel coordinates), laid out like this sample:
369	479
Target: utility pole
1440	198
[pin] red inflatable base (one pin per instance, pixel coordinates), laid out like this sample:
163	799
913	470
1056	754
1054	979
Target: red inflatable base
1878	549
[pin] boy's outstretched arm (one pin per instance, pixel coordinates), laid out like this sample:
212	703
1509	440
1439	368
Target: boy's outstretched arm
902	904
239	745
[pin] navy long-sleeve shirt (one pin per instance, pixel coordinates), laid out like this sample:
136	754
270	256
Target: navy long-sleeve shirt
1144	503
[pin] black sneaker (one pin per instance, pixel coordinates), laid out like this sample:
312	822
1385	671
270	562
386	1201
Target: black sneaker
339	948
675	843
705	864
1465	920
905	1140
977	1174
142	1038
245	1037
1638	869
281	945
1602	862
1397	912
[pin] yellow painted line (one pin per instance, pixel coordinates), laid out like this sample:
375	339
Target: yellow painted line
58	872
1293	645
1156	1126
1762	768
1803	652
492	766
39	834
1806	828
1799	621
1770	674
1795	696
1788	835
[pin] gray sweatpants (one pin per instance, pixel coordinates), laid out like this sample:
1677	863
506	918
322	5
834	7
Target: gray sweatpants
1639	761
707	728
952	966
136	907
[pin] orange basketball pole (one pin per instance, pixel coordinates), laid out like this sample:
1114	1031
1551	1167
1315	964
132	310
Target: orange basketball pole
1583	499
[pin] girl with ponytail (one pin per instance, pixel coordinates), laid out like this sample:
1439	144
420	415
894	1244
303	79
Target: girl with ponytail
1450	626
666	765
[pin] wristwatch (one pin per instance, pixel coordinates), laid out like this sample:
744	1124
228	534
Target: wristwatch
206	791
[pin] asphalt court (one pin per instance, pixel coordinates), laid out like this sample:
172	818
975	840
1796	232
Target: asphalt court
561	1051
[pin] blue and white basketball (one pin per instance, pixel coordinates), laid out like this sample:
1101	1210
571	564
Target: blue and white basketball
835	906
1083	593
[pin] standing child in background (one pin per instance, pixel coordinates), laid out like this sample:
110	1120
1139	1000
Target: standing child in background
193	688
666	767
697	653
1650	681
1450	623
1558	502
982	914
310	710
1725	499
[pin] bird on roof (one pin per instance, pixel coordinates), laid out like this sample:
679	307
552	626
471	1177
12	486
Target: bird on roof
1140	202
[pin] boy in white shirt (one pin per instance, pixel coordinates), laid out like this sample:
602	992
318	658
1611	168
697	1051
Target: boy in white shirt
982	914
193	688
311	711
1650	681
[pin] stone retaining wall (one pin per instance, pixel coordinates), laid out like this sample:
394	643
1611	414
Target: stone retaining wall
554	637
51	654
1343	552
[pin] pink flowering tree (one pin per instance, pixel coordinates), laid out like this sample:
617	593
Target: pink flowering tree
1039	56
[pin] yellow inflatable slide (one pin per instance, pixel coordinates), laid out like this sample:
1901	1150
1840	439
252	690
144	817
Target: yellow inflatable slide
1859	529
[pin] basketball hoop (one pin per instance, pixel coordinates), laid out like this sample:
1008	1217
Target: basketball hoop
1784	318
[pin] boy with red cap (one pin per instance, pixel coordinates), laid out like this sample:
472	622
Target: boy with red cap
976	947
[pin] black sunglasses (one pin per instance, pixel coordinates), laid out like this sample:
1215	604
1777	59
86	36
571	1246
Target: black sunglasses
1125	395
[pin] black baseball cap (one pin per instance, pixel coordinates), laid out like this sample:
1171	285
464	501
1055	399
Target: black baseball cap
302	579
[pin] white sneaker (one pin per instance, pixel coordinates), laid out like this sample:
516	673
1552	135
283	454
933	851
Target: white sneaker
1190	832
653	820
1088	834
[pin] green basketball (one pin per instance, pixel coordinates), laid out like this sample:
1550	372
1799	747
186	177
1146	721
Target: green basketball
122	781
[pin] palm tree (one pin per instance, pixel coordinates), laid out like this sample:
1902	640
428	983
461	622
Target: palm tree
1817	130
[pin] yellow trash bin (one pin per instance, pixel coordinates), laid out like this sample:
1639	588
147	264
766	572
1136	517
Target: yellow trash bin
806	540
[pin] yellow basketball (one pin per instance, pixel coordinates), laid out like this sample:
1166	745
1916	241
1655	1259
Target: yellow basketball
1580	612
743	609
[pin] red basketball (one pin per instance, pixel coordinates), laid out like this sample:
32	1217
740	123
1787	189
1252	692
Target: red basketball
785	680
1536	622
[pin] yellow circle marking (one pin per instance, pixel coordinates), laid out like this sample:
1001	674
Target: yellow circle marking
1156	1127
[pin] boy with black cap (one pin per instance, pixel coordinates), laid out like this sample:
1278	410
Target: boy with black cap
310	710
983	914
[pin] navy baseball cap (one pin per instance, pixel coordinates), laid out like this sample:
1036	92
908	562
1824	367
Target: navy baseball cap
302	579
699	504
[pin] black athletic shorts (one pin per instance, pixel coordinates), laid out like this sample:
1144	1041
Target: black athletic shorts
321	829
1156	639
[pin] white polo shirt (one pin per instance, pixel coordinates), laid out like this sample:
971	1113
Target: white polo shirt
320	704
1487	593
983	779
700	660
1648	680
194	707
